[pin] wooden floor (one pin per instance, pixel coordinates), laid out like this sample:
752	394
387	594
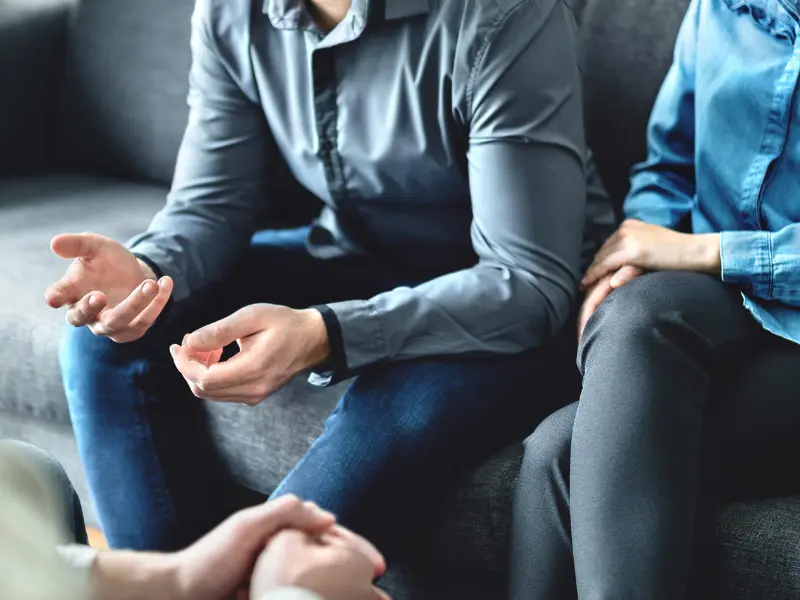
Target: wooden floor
96	539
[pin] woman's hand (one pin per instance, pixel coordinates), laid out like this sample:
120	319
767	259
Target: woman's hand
653	248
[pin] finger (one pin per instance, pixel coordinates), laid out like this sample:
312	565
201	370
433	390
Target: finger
240	324
363	546
62	293
121	316
205	358
149	315
249	394
598	270
86	310
235	375
192	370
379	594
287	512
80	245
625	275
592	302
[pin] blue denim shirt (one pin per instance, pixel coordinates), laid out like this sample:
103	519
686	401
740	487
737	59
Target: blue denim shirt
724	149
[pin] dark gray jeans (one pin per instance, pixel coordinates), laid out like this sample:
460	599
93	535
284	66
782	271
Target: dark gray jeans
686	402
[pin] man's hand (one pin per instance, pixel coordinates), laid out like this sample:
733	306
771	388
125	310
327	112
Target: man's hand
336	566
654	248
215	568
601	290
107	288
276	343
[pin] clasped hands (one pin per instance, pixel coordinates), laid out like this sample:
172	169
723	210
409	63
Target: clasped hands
107	289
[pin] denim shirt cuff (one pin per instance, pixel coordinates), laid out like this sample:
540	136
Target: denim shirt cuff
746	258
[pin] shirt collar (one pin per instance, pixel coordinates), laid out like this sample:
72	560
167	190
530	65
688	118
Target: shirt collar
293	14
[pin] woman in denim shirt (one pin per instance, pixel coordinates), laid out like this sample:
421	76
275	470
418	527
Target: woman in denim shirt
689	355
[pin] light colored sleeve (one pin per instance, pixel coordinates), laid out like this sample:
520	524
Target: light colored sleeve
291	594
527	173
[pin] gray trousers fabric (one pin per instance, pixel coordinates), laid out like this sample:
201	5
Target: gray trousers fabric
686	402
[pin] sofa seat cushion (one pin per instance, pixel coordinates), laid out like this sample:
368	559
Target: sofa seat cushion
32	211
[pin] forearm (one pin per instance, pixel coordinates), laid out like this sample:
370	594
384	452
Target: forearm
134	576
489	309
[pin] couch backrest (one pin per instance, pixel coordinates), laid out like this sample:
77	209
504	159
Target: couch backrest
124	106
627	50
124	103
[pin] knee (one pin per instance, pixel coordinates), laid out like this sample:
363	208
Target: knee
547	451
37	476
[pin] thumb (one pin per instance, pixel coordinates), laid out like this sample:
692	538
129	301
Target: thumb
240	324
80	245
624	276
287	512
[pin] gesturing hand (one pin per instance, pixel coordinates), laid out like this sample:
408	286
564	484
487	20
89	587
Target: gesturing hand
338	565
276	343
653	248
107	288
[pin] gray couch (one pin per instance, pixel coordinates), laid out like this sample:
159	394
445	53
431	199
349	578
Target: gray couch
92	106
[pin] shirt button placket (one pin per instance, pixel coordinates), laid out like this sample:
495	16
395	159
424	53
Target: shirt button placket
326	114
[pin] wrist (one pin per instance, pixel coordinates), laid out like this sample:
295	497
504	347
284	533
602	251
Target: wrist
708	253
132	576
316	334
147	271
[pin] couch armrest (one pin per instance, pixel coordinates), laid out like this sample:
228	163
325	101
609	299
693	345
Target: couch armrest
33	35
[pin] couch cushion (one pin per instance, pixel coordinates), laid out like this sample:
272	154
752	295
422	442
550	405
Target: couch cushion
760	545
127	77
627	50
32	211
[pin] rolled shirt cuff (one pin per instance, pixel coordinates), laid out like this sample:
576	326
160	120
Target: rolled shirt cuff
746	258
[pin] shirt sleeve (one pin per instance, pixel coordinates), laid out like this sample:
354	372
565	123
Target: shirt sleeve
219	185
527	176
663	187
764	262
290	594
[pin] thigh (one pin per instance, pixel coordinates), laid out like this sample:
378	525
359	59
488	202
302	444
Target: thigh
404	432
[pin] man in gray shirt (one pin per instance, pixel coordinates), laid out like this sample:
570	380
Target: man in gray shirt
444	140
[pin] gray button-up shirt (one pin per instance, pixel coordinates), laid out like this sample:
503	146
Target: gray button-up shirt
435	132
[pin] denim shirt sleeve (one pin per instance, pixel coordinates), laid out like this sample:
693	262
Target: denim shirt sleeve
528	188
219	184
663	187
764	262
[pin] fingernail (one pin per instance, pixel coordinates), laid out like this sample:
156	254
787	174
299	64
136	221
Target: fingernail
162	282
94	302
320	512
150	289
173	350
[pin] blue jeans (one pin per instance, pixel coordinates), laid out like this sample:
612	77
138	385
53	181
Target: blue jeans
398	438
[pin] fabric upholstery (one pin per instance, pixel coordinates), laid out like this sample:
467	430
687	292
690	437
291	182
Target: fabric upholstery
32	39
627	50
124	107
32	211
123	114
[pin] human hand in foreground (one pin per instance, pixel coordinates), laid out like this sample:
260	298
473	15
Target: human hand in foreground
217	567
276	343
337	565
107	288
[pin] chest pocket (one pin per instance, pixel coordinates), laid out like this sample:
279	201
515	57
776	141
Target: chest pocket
777	17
